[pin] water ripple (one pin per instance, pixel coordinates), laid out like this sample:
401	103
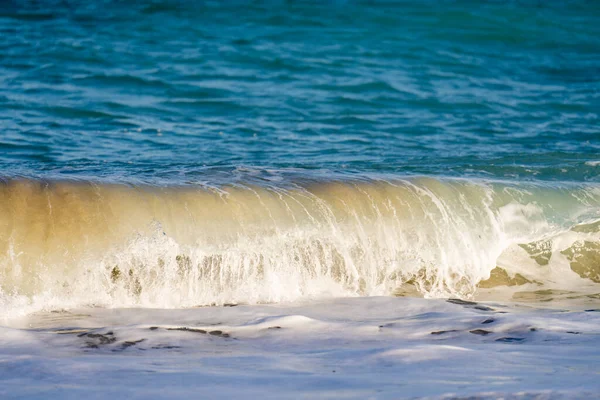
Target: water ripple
140	91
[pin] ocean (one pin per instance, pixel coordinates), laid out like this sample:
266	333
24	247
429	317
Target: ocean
277	199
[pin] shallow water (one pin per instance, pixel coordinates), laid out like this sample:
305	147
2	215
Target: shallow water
376	347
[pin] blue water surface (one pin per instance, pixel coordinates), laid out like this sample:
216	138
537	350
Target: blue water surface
175	91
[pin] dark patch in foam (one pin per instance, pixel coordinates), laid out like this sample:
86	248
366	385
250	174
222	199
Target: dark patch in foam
481	332
201	331
128	344
488	321
470	304
443	332
461	302
510	339
71	331
186	329
165	347
98	339
219	333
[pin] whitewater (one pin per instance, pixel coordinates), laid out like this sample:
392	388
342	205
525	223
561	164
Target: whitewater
70	244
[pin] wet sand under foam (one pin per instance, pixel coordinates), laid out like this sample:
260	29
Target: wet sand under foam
378	347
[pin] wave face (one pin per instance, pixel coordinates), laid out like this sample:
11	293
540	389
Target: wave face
82	243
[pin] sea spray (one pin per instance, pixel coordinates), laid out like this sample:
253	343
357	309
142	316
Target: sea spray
64	244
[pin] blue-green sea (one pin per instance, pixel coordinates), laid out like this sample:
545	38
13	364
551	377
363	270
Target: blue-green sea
187	91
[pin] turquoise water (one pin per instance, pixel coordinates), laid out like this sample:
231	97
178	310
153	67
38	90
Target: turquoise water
188	92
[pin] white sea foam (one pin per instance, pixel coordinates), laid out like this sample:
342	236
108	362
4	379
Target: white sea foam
378	347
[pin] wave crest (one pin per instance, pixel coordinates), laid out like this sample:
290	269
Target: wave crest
77	243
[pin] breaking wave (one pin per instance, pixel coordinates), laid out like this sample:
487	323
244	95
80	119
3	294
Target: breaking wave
67	244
